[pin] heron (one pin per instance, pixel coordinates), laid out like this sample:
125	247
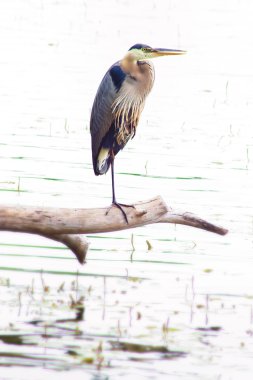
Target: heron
117	107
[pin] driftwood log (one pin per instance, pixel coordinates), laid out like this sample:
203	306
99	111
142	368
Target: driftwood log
64	225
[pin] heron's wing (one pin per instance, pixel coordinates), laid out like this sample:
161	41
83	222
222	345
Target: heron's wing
101	114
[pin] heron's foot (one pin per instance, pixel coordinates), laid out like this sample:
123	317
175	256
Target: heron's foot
120	207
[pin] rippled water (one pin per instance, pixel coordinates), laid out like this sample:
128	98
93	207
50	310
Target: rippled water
184	308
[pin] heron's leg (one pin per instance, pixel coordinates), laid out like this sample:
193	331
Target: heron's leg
113	186
114	202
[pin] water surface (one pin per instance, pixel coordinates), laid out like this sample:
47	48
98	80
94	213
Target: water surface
183	309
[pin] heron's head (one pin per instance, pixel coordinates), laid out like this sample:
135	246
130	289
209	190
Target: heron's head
141	52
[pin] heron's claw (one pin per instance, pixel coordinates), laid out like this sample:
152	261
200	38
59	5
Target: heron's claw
119	206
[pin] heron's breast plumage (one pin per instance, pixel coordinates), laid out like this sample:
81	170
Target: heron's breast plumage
130	100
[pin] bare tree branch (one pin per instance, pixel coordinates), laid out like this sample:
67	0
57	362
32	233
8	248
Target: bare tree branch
64	225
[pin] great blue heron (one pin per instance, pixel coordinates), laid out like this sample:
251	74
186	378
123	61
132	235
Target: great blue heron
118	104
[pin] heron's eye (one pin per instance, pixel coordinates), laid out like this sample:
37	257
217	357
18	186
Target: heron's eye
146	50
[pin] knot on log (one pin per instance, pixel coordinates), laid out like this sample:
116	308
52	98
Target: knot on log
140	212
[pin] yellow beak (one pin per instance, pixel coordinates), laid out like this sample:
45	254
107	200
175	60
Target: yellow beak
158	52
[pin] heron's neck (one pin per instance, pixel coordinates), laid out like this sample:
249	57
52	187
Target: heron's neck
128	63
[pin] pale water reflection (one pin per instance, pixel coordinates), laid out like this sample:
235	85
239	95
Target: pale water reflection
185	308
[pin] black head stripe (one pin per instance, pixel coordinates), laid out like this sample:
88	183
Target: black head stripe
139	46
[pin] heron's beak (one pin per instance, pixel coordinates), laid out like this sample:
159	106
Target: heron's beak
161	52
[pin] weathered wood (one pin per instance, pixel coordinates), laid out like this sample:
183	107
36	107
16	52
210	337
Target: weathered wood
64	225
